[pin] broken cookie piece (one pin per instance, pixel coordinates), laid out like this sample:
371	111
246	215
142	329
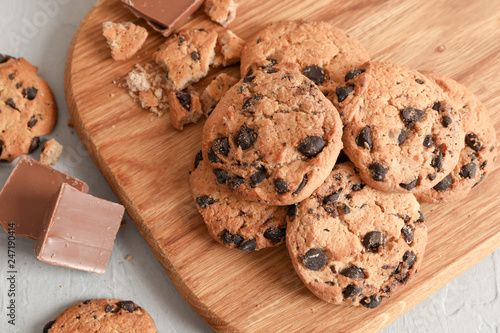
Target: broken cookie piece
228	49
221	11
124	39
214	91
186	56
185	108
51	152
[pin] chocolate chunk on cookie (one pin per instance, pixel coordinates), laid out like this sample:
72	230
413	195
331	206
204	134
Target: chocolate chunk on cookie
283	136
185	108
401	130
28	108
235	223
359	257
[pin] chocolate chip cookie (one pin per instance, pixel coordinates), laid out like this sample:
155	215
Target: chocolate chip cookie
274	135
354	245
248	226
102	315
401	130
28	108
479	152
324	53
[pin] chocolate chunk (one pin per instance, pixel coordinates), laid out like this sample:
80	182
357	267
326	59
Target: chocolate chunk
10	102
86	302
311	146
351	291
126	305
352	74
411	116
482	166
184	99
222	176
373	240
420	218
437	162
446	121
32	121
271	71
236	182
468	170
353	272
402	136
431	176
314	259
4	58
195	56
378	171
345	210
109	308
302	184
245	138
444	184
212	156
428	141
357	187
315	74
258	176
247	78
226	237
197	159
343	92
473	142
275	235
271	63
436	106
204	201
259	40
281	186
409	259
12	76
407	232
409	186
30	93
332	198
35	143
329	283
50	323
364	138
371	302
248	246
249	104
221	146
419	81
237	240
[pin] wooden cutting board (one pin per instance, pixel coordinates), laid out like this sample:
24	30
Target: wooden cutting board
146	161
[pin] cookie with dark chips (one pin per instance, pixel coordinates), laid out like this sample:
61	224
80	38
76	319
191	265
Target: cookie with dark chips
354	245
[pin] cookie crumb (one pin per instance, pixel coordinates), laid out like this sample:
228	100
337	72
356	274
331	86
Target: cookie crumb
124	39
51	152
214	91
221	11
228	49
185	108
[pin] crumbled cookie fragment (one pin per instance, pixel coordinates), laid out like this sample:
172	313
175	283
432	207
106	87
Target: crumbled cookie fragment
228	49
221	11
124	39
51	152
186	56
214	91
185	108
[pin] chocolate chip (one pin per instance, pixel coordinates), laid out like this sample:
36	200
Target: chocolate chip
222	176
249	104
407	232
428	141
86	301
226	237
184	99
314	259
446	121
357	187
420	218
292	210
50	323
402	136
259	40
329	283
271	63
271	71
247	78
436	106
411	116
332	198
275	235
12	76
302	184
281	186
483	165
245	138
197	159
126	305
248	246
311	146
378	171
345	210
236	182
444	184
409	186
473	142
409	259
371	302
343	92
352	74
468	170
4	58
237	240
315	74
32	121
195	56
35	143
351	291
109	308
437	162
258	176
419	81
431	176
10	102
373	240
353	272
204	201
212	156
30	93
364	138
221	146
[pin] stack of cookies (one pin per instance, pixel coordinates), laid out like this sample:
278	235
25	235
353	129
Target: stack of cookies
269	170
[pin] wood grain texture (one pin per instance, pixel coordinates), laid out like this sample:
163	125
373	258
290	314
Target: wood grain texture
146	161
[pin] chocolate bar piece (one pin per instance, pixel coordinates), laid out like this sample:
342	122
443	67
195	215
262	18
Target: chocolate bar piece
78	231
26	194
163	16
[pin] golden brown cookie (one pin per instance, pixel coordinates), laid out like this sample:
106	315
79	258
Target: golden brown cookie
274	135
124	39
353	245
221	11
28	108
479	152
228	49
185	108
102	315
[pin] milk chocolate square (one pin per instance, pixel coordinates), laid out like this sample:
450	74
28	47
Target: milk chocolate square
78	231
26	194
